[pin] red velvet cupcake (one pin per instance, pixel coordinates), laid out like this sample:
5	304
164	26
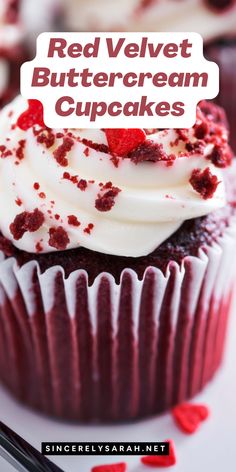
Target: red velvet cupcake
12	51
117	264
224	54
210	18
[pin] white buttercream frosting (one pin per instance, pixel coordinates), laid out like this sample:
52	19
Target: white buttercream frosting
159	15
153	201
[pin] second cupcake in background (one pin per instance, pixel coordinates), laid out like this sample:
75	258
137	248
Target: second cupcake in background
116	246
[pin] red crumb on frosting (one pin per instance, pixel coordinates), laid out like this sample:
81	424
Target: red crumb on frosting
204	182
96	146
20	149
36	186
221	156
72	178
18	201
183	134
42	195
45	136
61	152
161	461
201	130
150	151
89	228
122	141
82	184
58	238
26	221
6	246
86	151
32	116
73	220
106	197
5	152
119	467
38	247
188	417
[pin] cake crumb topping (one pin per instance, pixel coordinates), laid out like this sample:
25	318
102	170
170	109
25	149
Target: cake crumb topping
26	221
73	220
58	238
61	152
106	197
204	182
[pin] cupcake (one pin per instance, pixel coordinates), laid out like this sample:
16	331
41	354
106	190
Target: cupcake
223	52
19	27
11	50
117	263
211	18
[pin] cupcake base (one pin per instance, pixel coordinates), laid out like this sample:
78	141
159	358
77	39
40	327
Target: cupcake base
115	352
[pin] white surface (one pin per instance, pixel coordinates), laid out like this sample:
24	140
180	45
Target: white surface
211	449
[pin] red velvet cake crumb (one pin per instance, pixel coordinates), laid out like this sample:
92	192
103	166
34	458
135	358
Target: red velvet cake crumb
5	152
20	149
82	184
89	228
72	220
201	130
32	116
120	467
150	151
46	137
38	247
122	141
105	201
98	147
182	134
221	156
36	186
204	182
26	221
72	178
213	113
86	152
188	417
18	201
58	238
61	152
161	461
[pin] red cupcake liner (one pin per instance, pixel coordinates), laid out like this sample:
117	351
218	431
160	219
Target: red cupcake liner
113	352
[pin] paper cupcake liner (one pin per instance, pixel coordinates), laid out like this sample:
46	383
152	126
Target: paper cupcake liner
110	351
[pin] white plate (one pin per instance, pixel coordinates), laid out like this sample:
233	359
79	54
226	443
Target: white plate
211	449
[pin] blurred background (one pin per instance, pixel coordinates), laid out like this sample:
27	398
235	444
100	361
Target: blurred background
22	20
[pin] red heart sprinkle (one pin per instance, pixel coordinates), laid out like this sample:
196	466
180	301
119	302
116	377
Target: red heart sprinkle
188	416
161	461
121	467
122	141
32	116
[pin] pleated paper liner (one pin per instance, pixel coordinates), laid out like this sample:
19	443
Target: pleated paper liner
112	352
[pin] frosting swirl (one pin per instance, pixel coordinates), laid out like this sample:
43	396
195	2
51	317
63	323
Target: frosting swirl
62	189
